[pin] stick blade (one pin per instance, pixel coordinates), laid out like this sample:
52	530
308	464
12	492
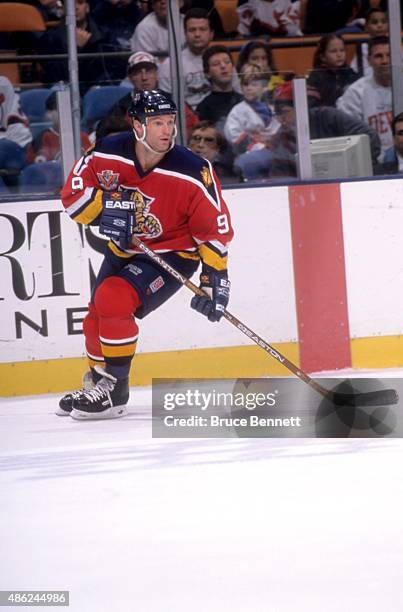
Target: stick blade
383	397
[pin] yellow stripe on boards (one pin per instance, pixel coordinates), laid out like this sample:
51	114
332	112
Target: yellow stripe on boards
32	377
377	352
54	376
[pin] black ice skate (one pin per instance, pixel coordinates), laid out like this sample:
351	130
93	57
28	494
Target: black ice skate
106	400
90	379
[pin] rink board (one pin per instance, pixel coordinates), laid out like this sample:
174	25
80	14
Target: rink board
316	270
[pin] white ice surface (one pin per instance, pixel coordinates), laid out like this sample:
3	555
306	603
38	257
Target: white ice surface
128	523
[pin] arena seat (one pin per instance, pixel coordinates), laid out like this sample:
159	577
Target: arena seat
33	103
46	177
227	12
20	17
98	101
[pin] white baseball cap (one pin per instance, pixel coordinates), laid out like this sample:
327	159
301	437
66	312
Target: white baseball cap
141	57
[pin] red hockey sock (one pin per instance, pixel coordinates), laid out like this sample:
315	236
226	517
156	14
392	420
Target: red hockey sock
91	334
115	302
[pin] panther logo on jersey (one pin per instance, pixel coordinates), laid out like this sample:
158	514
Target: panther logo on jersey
145	223
108	179
206	176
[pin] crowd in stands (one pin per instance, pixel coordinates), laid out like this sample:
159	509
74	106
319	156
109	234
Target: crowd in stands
240	113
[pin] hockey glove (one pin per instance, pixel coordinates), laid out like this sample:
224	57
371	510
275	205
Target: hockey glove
216	284
118	218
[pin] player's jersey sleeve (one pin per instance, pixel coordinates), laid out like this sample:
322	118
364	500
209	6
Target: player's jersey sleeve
81	195
210	221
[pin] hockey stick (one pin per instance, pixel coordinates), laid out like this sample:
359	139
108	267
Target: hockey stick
370	398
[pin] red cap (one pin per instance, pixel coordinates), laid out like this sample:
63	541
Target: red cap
283	93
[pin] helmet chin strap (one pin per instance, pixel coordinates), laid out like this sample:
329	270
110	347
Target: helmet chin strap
142	139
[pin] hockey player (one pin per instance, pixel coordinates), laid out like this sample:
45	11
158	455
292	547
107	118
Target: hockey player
141	183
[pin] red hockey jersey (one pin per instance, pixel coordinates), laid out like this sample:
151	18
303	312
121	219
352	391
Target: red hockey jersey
179	200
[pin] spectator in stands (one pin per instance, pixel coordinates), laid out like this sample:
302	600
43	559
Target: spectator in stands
331	74
198	34
273	17
370	98
392	162
205	140
214	16
120	17
323	16
151	34
324	122
376	24
259	53
219	69
142	72
250	126
15	134
46	146
90	39
365	5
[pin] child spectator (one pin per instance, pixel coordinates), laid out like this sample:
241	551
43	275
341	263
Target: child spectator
273	17
259	54
249	126
376	24
15	134
46	146
331	74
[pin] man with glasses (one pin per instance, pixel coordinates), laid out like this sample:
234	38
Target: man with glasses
205	140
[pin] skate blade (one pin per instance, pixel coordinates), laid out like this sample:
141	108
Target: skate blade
115	412
60	412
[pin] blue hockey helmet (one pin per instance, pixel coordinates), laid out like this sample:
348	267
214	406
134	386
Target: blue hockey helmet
149	103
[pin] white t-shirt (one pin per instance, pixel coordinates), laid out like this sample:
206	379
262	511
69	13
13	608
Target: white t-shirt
195	83
151	36
372	103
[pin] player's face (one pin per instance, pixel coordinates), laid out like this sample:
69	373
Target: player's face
144	78
335	54
398	138
198	35
203	142
160	132
220	68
